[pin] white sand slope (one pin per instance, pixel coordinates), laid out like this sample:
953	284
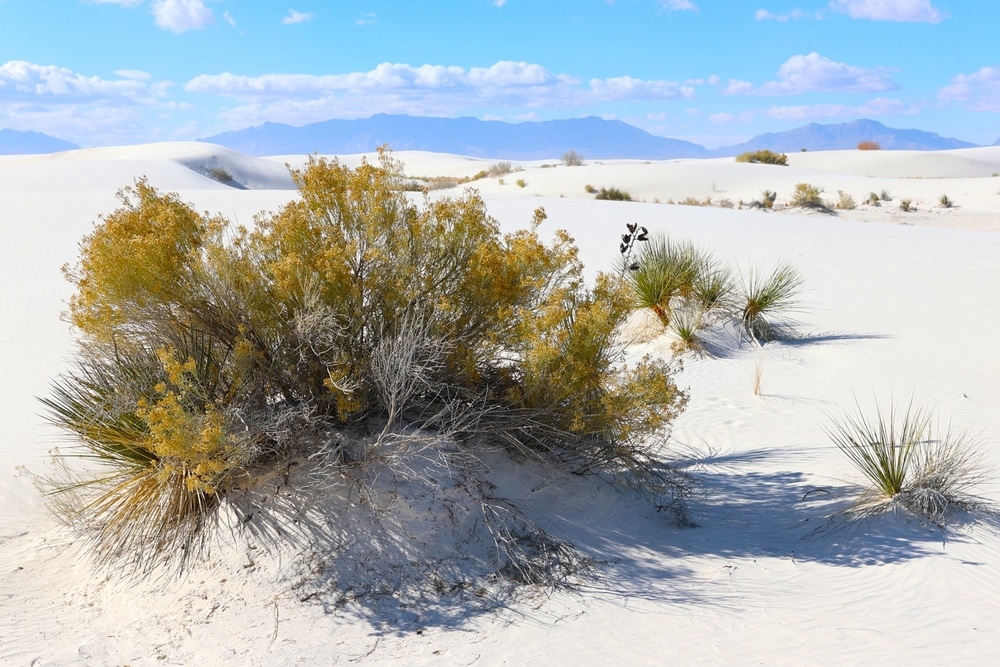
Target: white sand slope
895	304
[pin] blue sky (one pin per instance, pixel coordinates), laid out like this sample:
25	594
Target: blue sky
716	72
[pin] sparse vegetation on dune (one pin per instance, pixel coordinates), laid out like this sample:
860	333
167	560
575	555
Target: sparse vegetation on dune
675	279
351	327
869	146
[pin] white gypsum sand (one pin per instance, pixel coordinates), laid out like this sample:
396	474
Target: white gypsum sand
895	304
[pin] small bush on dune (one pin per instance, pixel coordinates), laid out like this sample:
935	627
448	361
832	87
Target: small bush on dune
613	194
845	201
572	159
212	355
808	196
908	465
499	169
869	146
945	201
906	205
763	156
874	199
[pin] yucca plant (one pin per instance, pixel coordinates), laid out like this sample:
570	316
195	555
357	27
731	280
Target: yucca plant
907	466
686	325
665	270
765	301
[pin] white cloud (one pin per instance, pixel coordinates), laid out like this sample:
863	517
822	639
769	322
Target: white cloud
366	19
793	15
424	90
297	17
678	5
136	74
179	16
229	19
121	3
23	81
919	11
86	109
737	87
816	73
499	3
979	91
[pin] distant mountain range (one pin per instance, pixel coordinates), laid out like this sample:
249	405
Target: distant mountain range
593	138
13	142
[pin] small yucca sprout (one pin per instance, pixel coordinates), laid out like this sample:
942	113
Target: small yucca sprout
945	202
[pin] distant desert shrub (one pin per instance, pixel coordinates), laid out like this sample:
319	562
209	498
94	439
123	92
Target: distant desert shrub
906	205
521	183
845	201
572	159
884	195
213	355
869	146
766	201
808	196
220	174
613	194
945	201
590	189
908	465
499	169
763	156
873	199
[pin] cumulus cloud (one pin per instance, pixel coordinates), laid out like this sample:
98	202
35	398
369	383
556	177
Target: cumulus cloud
918	11
979	91
297	17
85	109
179	16
23	81
816	73
427	90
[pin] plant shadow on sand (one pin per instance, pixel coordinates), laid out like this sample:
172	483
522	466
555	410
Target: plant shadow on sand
743	514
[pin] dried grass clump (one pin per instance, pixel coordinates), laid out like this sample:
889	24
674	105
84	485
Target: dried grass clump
572	159
211	356
869	146
807	196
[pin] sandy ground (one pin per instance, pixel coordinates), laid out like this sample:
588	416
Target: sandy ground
895	305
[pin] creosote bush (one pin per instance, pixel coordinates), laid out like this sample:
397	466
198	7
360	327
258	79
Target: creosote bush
613	194
211	355
763	156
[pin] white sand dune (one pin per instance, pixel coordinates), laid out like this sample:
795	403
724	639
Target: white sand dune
895	304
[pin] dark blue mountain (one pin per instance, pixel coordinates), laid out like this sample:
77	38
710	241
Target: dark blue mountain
845	136
13	142
593	138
